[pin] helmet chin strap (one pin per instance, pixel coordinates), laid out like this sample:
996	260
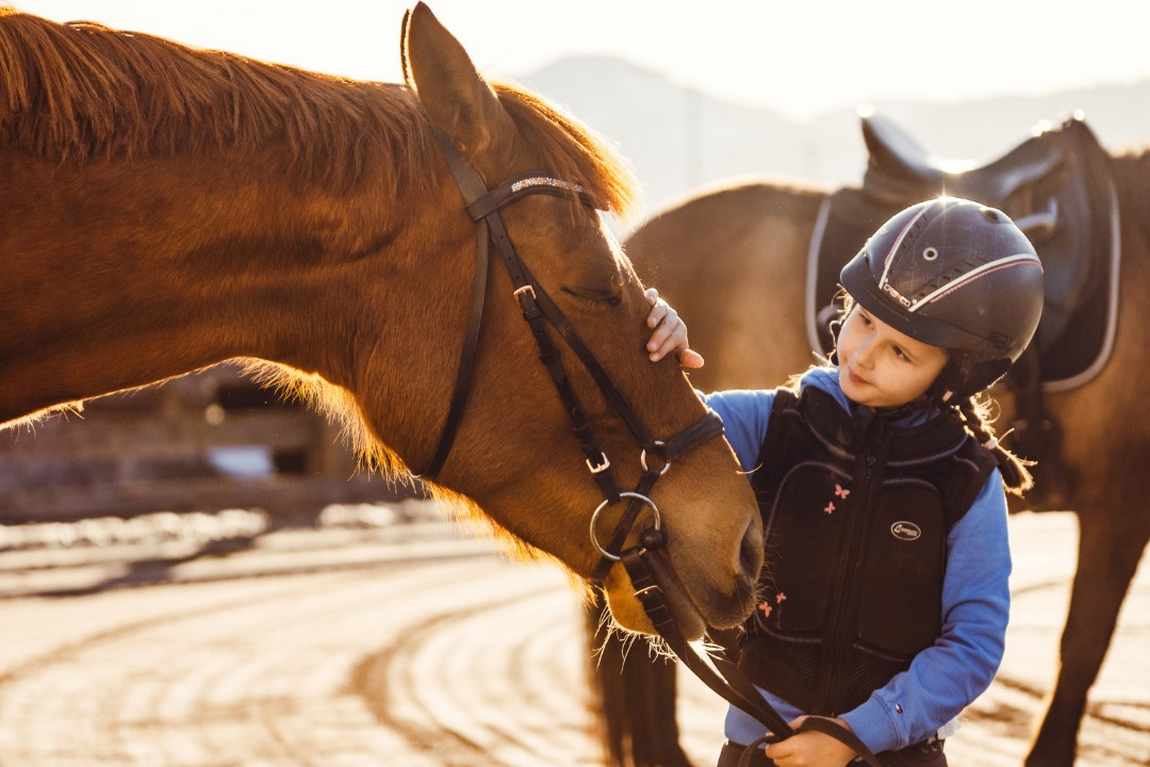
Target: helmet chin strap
942	392
965	376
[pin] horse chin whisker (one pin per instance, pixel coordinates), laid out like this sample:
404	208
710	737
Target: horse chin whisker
657	648
611	629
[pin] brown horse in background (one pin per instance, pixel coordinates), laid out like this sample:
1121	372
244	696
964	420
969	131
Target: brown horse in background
163	209
733	262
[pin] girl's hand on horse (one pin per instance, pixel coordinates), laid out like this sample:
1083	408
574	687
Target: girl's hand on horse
810	749
670	333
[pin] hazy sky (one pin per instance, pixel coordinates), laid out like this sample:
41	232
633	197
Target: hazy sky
796	57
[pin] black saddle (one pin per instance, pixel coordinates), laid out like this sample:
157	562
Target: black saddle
899	168
1056	185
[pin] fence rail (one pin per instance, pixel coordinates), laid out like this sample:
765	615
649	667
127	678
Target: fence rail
157	449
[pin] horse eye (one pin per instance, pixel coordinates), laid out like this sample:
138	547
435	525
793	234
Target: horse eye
594	295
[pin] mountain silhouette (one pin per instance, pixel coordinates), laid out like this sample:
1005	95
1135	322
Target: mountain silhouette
679	139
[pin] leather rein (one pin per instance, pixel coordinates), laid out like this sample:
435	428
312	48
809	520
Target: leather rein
647	563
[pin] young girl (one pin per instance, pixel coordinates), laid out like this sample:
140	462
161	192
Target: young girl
884	601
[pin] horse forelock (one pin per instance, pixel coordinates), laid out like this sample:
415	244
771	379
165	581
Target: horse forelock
78	92
570	149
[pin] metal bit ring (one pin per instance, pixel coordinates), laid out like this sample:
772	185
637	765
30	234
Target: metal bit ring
606	502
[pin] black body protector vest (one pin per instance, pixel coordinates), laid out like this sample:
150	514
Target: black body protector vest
856	513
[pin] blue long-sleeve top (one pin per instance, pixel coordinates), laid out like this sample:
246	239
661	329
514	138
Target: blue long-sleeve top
945	677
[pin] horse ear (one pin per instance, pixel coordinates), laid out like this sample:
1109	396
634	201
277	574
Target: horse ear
404	59
458	101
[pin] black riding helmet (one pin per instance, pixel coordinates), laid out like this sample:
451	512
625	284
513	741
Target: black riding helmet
956	274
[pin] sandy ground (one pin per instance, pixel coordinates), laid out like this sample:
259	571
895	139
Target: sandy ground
335	649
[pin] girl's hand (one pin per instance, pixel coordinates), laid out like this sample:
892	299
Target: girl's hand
670	334
810	749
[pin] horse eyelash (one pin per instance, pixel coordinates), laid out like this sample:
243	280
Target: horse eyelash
593	296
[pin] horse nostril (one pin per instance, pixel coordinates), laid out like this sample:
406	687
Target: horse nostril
751	552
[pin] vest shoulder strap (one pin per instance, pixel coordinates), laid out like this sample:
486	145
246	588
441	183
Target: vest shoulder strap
966	475
775	440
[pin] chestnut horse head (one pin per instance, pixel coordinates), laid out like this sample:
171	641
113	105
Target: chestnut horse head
165	208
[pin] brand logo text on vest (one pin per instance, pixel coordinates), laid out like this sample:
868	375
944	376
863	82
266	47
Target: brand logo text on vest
906	531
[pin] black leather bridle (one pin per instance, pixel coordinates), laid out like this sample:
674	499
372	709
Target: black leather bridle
655	456
647	563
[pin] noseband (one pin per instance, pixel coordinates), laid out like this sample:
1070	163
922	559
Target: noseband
646	563
539	311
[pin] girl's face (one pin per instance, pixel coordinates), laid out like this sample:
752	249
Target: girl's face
881	367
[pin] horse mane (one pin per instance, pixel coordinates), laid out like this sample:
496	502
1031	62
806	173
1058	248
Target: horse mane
80	91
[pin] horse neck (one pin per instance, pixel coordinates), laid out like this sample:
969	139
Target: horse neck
124	274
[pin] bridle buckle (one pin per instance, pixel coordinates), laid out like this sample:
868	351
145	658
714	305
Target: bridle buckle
598	468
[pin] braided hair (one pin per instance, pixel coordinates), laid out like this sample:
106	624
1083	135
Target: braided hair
975	413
